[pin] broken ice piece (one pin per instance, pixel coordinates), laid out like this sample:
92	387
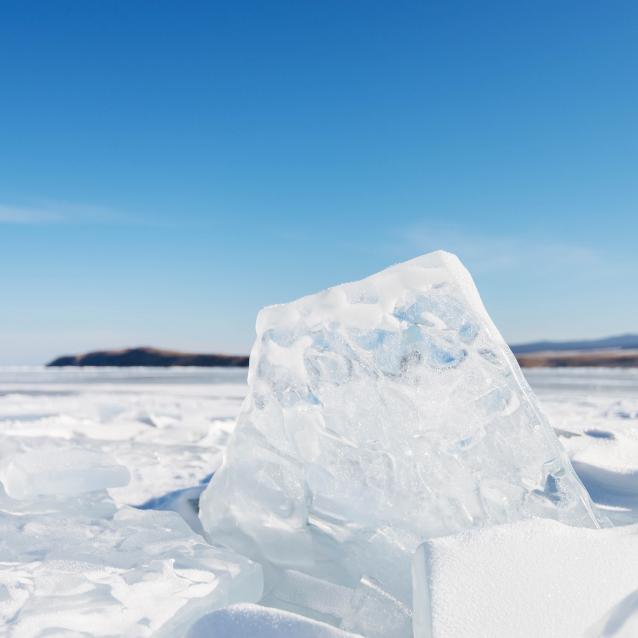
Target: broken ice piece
382	413
60	472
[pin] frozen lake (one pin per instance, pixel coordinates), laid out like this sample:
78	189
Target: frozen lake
169	426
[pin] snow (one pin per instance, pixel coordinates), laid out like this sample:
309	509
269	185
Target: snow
168	427
245	621
531	579
621	621
595	413
381	413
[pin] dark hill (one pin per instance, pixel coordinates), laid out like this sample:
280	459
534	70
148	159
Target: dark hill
621	351
621	342
580	359
151	357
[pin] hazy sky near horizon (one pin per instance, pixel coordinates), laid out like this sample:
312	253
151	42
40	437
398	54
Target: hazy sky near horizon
168	168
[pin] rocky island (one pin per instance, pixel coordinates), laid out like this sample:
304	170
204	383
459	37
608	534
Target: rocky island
612	352
151	357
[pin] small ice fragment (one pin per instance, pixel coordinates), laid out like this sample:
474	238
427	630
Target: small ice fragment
376	614
60	472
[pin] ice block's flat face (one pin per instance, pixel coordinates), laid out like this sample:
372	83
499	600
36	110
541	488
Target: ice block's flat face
381	413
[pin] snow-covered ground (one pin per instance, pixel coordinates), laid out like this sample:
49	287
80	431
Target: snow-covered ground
169	427
595	413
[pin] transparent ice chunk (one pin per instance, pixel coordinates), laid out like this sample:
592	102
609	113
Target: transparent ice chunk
60	472
382	413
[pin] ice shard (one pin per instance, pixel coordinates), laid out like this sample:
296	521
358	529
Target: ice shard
381	413
73	563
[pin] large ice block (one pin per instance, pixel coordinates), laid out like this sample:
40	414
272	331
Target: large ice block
381	413
531	579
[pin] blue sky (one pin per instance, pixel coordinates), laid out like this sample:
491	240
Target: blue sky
167	168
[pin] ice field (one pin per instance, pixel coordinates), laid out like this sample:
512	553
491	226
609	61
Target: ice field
169	428
385	471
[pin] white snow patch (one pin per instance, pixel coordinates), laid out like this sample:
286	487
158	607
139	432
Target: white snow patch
246	621
532	579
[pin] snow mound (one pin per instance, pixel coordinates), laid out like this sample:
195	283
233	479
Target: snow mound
242	621
380	413
621	621
531	579
80	566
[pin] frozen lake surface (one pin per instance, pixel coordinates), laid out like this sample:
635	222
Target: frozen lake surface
595	413
169	428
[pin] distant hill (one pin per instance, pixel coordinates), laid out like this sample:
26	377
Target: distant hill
621	342
621	351
580	359
151	357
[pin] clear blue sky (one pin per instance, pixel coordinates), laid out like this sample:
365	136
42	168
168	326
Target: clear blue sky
167	168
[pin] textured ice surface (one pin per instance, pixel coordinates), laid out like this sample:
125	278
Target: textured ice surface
380	413
75	564
68	472
531	579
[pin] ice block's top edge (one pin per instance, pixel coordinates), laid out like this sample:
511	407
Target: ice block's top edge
442	265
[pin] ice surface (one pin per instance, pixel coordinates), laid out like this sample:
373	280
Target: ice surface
531	579
595	413
168	427
67	472
381	413
248	621
74	563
